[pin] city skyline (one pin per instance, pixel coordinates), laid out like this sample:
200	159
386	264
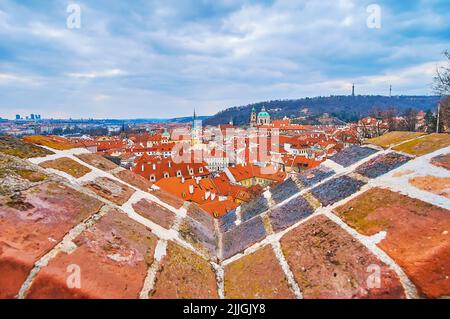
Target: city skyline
160	60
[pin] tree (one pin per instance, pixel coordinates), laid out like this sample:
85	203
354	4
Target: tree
442	87
430	122
444	114
410	117
442	78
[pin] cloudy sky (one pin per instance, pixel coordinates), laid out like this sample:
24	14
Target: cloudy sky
147	59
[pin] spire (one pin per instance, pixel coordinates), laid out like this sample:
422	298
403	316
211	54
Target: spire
353	89
390	90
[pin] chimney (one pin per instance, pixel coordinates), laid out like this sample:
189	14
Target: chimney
170	164
213	196
154	167
182	180
207	194
142	168
191	189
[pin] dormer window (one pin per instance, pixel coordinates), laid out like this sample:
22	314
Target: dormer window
191	171
179	174
200	170
166	175
152	178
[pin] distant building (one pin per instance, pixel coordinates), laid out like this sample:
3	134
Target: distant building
196	130
263	117
253	118
17	116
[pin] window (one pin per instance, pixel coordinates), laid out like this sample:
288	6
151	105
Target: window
200	170
179	174
152	178
191	171
166	175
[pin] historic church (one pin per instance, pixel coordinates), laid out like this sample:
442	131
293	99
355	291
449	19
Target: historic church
262	118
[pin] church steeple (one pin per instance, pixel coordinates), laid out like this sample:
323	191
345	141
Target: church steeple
353	89
253	118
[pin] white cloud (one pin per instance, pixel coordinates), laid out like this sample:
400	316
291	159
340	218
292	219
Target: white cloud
9	78
102	98
98	74
179	59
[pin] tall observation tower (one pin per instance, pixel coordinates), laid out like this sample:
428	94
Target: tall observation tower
353	89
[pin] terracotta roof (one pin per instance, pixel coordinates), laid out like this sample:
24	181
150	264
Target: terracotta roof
366	210
148	166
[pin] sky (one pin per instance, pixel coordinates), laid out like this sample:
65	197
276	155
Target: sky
162	59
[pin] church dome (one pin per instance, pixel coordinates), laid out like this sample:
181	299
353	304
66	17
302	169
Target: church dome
165	133
263	112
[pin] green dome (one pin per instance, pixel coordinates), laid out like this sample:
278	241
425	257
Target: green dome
263	114
165	134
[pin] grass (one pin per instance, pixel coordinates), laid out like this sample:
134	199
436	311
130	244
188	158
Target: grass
15	147
55	142
68	166
31	176
393	138
425	145
356	212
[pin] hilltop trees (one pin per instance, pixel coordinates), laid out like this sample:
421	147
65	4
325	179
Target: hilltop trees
442	87
444	115
442	78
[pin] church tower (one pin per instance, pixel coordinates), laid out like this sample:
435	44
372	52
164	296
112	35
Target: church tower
195	131
253	118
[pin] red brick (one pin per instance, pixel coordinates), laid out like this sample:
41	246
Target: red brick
113	256
32	224
329	263
98	161
134	179
154	212
257	276
112	190
442	161
168	198
67	165
184	275
417	235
